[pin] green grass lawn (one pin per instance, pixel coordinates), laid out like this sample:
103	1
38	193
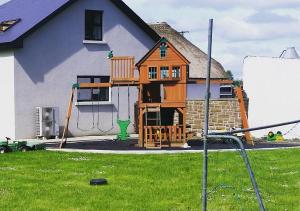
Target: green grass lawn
60	181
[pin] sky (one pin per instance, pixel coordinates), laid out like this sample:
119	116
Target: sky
241	27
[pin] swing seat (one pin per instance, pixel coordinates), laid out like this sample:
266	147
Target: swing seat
123	124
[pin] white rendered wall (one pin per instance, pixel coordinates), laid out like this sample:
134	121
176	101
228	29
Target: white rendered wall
273	86
7	105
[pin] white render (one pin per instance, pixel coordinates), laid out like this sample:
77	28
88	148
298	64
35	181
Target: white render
273	85
7	95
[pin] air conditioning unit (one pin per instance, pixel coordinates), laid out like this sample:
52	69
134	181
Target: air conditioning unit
47	122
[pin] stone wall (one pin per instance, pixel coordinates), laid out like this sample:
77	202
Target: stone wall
224	114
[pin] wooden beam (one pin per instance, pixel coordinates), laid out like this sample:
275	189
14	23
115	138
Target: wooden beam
239	94
67	120
94	85
164	105
213	81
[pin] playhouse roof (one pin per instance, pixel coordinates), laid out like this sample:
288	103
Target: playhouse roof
156	46
198	59
34	13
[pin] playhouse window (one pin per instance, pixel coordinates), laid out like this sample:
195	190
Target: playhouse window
163	53
93	25
164	72
163	48
93	94
152	73
176	72
5	25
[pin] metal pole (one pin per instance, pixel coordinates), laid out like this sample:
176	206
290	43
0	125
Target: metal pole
206	120
255	128
246	160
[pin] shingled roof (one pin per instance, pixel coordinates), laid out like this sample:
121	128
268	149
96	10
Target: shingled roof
197	57
34	13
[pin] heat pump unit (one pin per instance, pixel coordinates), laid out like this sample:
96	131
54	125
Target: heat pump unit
47	122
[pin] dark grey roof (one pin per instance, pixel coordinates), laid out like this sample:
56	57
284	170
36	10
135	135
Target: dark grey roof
34	13
197	57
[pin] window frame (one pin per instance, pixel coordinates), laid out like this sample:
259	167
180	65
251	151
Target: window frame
178	72
224	95
156	69
94	98
7	24
93	25
164	70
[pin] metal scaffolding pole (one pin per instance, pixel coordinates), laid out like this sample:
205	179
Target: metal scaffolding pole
206	120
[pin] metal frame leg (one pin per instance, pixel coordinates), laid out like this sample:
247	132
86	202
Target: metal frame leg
246	160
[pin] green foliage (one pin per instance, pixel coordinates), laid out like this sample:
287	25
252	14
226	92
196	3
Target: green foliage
229	74
60	181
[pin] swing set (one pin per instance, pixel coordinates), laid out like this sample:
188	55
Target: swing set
162	93
119	79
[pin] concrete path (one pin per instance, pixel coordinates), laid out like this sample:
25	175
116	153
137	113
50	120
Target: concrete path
153	152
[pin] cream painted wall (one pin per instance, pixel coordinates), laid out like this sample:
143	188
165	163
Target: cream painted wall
7	105
273	86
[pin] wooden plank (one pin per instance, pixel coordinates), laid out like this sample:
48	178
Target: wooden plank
94	85
239	94
164	105
180	134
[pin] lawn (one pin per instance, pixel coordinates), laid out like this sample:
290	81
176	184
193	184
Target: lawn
60	181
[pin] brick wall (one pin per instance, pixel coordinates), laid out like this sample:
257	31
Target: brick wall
224	114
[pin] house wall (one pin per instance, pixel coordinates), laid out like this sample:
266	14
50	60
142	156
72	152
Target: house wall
7	111
54	55
198	91
272	85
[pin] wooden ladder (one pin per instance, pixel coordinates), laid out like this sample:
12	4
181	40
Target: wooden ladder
153	136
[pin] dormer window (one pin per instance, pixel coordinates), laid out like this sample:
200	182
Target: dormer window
163	48
5	25
93	25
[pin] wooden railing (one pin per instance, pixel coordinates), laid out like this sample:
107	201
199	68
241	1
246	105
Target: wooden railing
156	136
122	69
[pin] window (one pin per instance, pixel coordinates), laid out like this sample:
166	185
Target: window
163	48
226	91
163	53
164	72
93	25
93	94
152	73
176	72
5	25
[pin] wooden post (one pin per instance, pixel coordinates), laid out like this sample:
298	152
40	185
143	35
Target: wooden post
184	125
239	94
68	116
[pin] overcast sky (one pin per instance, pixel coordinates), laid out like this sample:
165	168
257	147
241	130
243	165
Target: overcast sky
242	27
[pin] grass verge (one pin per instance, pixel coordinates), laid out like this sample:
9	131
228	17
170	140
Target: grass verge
60	181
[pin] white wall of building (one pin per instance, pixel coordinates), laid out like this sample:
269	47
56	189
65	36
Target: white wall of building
273	86
7	105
